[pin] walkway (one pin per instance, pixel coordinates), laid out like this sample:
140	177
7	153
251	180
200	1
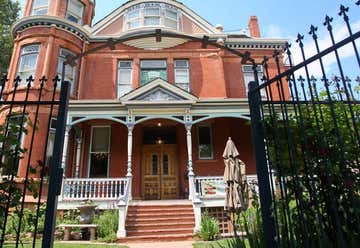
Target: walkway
178	244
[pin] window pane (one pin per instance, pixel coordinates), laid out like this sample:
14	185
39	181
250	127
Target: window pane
153	64
124	76
134	24
166	165
152	12
50	148
205	146
99	165
154	165
123	89
171	14
100	140
134	14
149	75
170	23
181	76
75	11
151	21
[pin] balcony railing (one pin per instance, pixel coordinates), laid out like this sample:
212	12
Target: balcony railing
94	188
214	186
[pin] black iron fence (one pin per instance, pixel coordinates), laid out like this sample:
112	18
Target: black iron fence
32	126
306	126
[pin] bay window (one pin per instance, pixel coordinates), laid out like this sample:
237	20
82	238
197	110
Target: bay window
70	71
152	69
28	61
125	80
75	11
152	14
182	77
40	7
99	152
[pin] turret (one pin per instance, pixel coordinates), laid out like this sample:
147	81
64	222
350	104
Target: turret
78	11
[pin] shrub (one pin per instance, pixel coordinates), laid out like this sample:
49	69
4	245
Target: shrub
209	228
107	225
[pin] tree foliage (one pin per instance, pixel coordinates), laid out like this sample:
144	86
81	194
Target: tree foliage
9	12
315	155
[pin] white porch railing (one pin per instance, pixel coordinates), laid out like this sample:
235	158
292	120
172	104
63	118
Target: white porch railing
94	188
214	186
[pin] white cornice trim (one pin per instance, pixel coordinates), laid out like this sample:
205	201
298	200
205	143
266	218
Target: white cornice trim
158	83
30	21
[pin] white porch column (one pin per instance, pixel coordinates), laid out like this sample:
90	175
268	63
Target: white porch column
129	160
121	232
191	174
78	155
66	142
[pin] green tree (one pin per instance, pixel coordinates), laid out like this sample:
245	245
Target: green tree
9	12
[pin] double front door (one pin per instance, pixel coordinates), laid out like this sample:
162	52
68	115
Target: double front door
159	172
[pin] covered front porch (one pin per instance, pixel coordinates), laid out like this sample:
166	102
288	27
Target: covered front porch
150	148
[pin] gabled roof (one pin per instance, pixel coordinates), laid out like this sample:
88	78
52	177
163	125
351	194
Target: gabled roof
158	91
194	17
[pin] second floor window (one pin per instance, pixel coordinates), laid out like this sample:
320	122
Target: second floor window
28	61
182	77
75	10
151	69
40	7
152	16
248	73
70	71
125	72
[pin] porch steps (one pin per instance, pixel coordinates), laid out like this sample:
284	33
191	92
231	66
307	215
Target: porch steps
159	222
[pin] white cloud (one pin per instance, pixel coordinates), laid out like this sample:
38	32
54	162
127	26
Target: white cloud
340	32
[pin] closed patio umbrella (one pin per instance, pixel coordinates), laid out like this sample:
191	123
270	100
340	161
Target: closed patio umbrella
236	197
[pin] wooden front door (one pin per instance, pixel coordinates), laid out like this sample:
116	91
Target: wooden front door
159	172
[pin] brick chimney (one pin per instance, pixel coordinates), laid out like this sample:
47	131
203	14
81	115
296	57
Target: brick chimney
254	27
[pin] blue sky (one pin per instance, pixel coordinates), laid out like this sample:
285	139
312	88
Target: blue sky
277	19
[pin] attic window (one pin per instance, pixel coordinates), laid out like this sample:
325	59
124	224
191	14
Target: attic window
152	15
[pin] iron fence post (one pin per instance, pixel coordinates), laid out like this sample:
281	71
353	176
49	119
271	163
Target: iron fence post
56	172
261	165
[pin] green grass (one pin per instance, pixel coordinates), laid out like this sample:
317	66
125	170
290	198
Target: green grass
61	245
214	244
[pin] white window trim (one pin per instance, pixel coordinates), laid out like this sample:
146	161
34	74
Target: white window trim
22	141
162	15
182	68
75	70
32	71
90	146
247	69
39	7
131	83
211	142
51	131
80	17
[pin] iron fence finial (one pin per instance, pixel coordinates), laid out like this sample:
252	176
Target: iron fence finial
328	21
343	11
17	81
313	30
358	2
299	39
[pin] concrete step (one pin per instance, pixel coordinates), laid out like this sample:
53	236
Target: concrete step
156	238
159	210
159	232
163	226
158	215
172	219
